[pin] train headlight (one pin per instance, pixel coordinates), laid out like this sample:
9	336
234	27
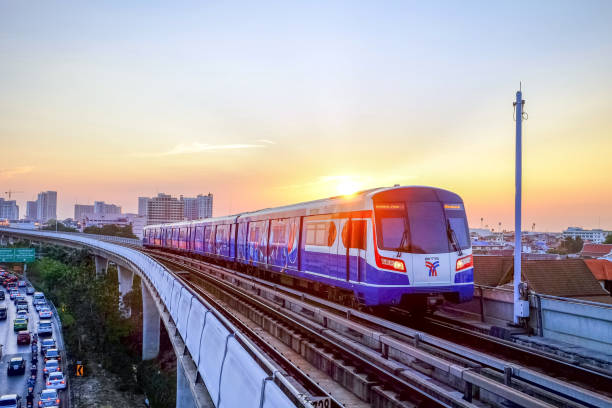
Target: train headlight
465	263
393	264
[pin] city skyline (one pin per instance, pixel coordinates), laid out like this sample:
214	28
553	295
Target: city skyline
325	99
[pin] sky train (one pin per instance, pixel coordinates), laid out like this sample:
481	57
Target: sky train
380	247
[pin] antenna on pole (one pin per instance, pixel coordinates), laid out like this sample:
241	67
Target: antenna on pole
521	304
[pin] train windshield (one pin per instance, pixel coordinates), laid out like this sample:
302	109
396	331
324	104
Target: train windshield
422	227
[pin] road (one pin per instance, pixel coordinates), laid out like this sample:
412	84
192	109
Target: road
10	349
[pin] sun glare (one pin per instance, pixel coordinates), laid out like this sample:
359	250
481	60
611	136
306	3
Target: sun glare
347	187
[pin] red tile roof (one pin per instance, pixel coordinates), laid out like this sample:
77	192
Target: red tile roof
601	268
563	278
596	250
488	270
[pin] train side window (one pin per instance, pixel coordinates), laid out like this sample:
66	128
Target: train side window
254	234
320	233
357	238
278	232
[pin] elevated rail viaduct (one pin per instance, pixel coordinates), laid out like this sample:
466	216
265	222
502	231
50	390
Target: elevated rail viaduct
216	364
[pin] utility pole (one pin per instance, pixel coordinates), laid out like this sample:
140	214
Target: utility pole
521	308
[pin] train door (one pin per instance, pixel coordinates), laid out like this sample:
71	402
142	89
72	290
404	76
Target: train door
232	241
354	235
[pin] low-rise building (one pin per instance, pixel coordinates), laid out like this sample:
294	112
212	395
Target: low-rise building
596	236
137	222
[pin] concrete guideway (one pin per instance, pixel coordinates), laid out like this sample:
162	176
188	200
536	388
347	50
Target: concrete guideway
320	311
213	359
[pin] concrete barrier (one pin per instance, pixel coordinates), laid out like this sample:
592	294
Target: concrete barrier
585	324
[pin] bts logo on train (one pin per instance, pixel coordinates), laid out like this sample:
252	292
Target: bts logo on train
432	266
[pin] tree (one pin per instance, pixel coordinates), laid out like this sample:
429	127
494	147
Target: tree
112	229
608	239
53	225
568	246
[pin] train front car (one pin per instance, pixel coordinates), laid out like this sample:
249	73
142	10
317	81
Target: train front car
422	246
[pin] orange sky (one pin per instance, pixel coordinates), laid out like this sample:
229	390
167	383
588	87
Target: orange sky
306	102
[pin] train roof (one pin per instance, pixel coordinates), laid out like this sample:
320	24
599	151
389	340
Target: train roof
341	203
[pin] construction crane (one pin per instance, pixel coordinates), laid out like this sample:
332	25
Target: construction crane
11	192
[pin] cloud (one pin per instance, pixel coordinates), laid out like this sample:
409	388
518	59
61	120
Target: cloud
15	171
196	147
267	141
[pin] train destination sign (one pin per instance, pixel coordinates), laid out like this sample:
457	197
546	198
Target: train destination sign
17	255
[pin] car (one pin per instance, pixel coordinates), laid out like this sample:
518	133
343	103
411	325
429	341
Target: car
45	313
51	366
38	296
53	354
10	401
13	293
45	328
2	295
20	324
22	284
47	344
23	337
40	304
30	290
19	297
23	314
56	381
3	314
49	398
16	366
22	304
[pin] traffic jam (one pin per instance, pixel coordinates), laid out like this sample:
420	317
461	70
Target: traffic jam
34	375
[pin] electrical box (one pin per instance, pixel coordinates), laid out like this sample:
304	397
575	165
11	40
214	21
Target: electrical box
522	308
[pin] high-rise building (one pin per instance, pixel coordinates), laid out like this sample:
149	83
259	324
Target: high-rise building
142	206
164	208
31	212
198	207
9	210
205	205
190	208
101	208
46	206
81	210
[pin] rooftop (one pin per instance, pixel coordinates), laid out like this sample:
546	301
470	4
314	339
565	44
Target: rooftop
564	278
596	250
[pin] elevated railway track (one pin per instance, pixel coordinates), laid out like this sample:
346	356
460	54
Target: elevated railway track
433	363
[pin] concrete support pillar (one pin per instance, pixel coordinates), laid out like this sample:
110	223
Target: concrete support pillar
184	397
101	265
150	325
126	279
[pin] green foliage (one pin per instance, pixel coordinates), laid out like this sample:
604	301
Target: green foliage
112	229
608	239
94	328
568	246
151	378
53	225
